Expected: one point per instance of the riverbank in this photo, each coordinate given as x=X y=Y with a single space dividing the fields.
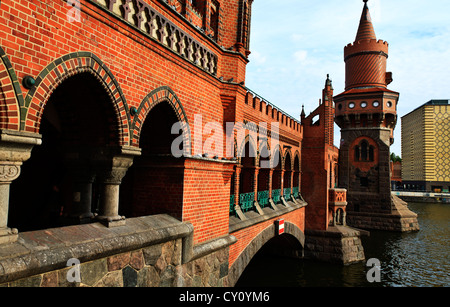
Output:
x=423 y=197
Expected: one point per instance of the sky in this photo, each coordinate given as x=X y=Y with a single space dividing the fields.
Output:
x=294 y=44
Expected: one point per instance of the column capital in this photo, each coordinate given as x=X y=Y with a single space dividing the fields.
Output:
x=9 y=171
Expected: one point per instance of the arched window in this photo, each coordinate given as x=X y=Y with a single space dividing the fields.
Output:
x=364 y=152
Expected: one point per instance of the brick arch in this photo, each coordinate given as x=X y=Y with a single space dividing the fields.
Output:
x=248 y=139
x=254 y=246
x=10 y=95
x=62 y=69
x=296 y=156
x=286 y=153
x=280 y=150
x=161 y=95
x=260 y=148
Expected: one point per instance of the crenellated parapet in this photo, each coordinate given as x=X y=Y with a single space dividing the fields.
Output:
x=364 y=46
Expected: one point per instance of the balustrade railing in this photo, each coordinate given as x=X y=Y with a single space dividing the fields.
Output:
x=246 y=201
x=287 y=193
x=295 y=192
x=263 y=199
x=276 y=195
x=153 y=24
x=232 y=206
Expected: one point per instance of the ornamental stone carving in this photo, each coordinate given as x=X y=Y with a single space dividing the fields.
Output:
x=9 y=172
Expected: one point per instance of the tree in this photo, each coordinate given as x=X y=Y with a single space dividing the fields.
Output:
x=395 y=158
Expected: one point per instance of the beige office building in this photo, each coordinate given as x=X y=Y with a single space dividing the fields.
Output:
x=426 y=147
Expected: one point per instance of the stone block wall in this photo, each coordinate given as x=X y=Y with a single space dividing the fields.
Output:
x=155 y=266
x=339 y=244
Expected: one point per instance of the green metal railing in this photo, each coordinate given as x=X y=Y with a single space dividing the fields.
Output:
x=276 y=196
x=287 y=193
x=295 y=192
x=232 y=210
x=263 y=199
x=246 y=201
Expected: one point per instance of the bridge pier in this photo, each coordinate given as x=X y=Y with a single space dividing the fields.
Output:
x=338 y=244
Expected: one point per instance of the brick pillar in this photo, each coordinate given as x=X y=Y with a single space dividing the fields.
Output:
x=270 y=182
x=255 y=183
x=236 y=192
x=292 y=180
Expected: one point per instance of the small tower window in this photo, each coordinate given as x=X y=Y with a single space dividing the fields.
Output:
x=364 y=152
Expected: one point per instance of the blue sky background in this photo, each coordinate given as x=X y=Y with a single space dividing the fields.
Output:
x=296 y=43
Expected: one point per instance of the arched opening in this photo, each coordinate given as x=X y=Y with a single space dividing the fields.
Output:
x=154 y=184
x=58 y=185
x=296 y=180
x=364 y=150
x=268 y=267
x=247 y=178
x=287 y=177
x=264 y=177
x=276 y=176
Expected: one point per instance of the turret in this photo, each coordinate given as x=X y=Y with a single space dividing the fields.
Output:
x=366 y=101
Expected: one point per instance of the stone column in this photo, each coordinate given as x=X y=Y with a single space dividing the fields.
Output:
x=8 y=173
x=111 y=169
x=83 y=178
x=15 y=148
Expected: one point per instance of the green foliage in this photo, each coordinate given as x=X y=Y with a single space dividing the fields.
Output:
x=395 y=158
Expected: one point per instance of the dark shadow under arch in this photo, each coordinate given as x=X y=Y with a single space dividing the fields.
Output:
x=162 y=94
x=154 y=184
x=292 y=236
x=60 y=70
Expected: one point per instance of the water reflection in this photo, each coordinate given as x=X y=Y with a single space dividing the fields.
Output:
x=417 y=259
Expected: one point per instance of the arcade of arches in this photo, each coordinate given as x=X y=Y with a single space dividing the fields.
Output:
x=74 y=177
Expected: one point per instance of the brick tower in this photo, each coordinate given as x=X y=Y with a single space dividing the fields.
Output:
x=366 y=112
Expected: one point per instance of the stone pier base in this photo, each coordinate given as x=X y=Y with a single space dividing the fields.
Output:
x=338 y=244
x=400 y=220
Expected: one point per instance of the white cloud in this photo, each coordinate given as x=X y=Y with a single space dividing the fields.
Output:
x=300 y=56
x=258 y=58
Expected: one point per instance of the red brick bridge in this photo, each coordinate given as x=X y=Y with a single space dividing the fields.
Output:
x=129 y=141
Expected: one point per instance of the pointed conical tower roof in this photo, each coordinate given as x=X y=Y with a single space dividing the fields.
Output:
x=366 y=57
x=365 y=30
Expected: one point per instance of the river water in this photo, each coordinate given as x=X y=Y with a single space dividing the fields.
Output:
x=418 y=259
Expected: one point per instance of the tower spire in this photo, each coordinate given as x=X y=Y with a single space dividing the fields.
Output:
x=365 y=30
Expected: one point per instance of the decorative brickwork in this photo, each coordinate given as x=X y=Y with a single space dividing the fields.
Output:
x=60 y=70
x=10 y=95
